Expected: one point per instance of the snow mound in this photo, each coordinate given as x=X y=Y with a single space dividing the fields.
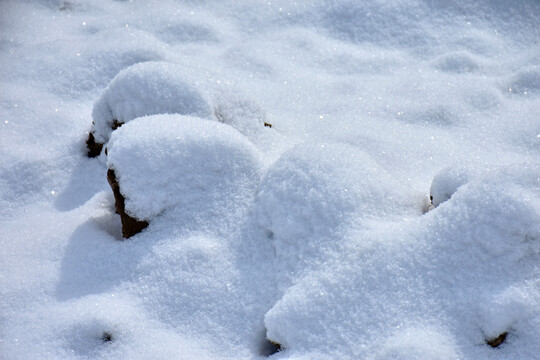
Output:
x=175 y=161
x=314 y=190
x=412 y=86
x=151 y=88
x=233 y=108
x=446 y=182
x=461 y=275
x=147 y=89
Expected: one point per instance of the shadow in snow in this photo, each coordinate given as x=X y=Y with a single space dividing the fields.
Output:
x=87 y=178
x=95 y=260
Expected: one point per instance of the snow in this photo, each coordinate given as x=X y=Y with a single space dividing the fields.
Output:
x=149 y=88
x=446 y=182
x=146 y=89
x=284 y=154
x=188 y=163
x=314 y=191
x=433 y=272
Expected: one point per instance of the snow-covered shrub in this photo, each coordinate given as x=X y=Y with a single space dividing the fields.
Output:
x=457 y=278
x=154 y=87
x=188 y=164
x=232 y=106
x=145 y=89
x=314 y=189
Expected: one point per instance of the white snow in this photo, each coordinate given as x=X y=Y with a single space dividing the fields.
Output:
x=446 y=182
x=314 y=191
x=188 y=163
x=316 y=233
x=152 y=87
x=146 y=89
x=435 y=272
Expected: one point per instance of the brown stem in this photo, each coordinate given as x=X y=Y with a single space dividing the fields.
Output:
x=130 y=225
x=94 y=148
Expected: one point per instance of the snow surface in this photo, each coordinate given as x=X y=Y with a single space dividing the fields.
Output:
x=317 y=233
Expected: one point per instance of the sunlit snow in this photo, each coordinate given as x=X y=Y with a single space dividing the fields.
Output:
x=318 y=180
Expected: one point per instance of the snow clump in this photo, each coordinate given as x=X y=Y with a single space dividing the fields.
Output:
x=146 y=89
x=232 y=107
x=158 y=87
x=446 y=182
x=190 y=164
x=315 y=190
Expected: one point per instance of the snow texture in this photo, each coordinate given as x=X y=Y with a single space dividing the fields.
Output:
x=166 y=161
x=147 y=89
x=317 y=233
x=151 y=88
x=446 y=182
x=314 y=191
x=489 y=228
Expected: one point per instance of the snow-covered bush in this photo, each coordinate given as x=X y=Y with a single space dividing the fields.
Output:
x=145 y=89
x=313 y=190
x=158 y=87
x=453 y=279
x=189 y=164
x=335 y=258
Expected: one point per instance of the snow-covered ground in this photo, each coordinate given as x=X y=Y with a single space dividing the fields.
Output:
x=316 y=233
